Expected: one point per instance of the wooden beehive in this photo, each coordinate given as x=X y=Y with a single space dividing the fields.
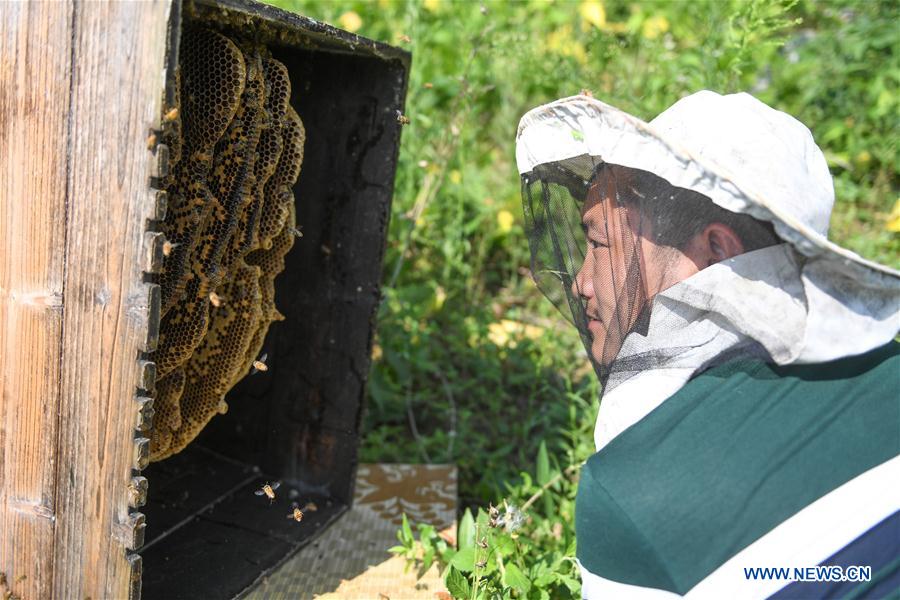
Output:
x=84 y=88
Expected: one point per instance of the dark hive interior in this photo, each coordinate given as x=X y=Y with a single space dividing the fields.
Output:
x=236 y=147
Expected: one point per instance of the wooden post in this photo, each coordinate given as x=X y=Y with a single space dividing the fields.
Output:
x=81 y=86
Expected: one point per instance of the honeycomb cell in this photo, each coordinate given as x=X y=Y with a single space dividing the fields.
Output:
x=237 y=149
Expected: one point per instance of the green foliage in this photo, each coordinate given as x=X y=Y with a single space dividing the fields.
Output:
x=471 y=365
x=523 y=548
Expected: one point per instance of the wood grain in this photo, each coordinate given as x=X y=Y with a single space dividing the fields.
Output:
x=117 y=86
x=80 y=88
x=35 y=78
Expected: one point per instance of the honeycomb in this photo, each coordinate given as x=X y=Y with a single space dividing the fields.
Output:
x=236 y=146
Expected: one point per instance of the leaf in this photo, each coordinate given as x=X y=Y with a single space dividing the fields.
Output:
x=456 y=583
x=465 y=534
x=482 y=519
x=464 y=560
x=427 y=559
x=503 y=544
x=397 y=549
x=570 y=582
x=515 y=578
x=544 y=475
x=406 y=531
x=543 y=465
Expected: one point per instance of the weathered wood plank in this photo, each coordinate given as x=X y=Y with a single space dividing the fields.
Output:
x=35 y=60
x=119 y=52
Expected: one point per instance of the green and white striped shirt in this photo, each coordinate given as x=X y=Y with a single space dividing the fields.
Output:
x=750 y=465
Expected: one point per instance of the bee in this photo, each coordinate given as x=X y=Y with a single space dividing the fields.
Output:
x=483 y=543
x=215 y=299
x=428 y=85
x=295 y=231
x=404 y=38
x=168 y=247
x=171 y=115
x=403 y=119
x=260 y=364
x=587 y=92
x=151 y=141
x=311 y=507
x=481 y=564
x=296 y=514
x=268 y=491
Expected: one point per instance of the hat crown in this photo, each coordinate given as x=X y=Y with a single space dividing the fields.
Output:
x=758 y=147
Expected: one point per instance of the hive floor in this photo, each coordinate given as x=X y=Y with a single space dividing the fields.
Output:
x=350 y=560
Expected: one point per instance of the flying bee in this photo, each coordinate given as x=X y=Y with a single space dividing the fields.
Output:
x=168 y=247
x=404 y=38
x=171 y=115
x=260 y=364
x=311 y=507
x=296 y=514
x=268 y=491
x=295 y=231
x=403 y=119
x=427 y=85
x=215 y=299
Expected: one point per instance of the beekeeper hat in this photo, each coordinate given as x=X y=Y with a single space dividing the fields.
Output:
x=747 y=158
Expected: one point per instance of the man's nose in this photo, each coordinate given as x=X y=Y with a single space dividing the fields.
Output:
x=583 y=284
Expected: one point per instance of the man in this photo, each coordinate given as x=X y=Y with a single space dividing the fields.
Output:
x=750 y=415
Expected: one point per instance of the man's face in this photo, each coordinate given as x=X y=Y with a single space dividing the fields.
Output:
x=623 y=269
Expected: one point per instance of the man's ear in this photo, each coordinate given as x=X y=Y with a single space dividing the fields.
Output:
x=720 y=242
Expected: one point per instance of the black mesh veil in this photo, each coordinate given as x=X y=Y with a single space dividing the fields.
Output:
x=605 y=239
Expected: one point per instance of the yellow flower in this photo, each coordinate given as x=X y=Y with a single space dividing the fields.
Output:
x=505 y=221
x=654 y=27
x=505 y=332
x=439 y=297
x=432 y=5
x=562 y=42
x=593 y=12
x=350 y=21
x=893 y=224
x=455 y=176
x=498 y=334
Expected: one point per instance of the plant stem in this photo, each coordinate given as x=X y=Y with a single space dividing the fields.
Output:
x=569 y=470
x=476 y=573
